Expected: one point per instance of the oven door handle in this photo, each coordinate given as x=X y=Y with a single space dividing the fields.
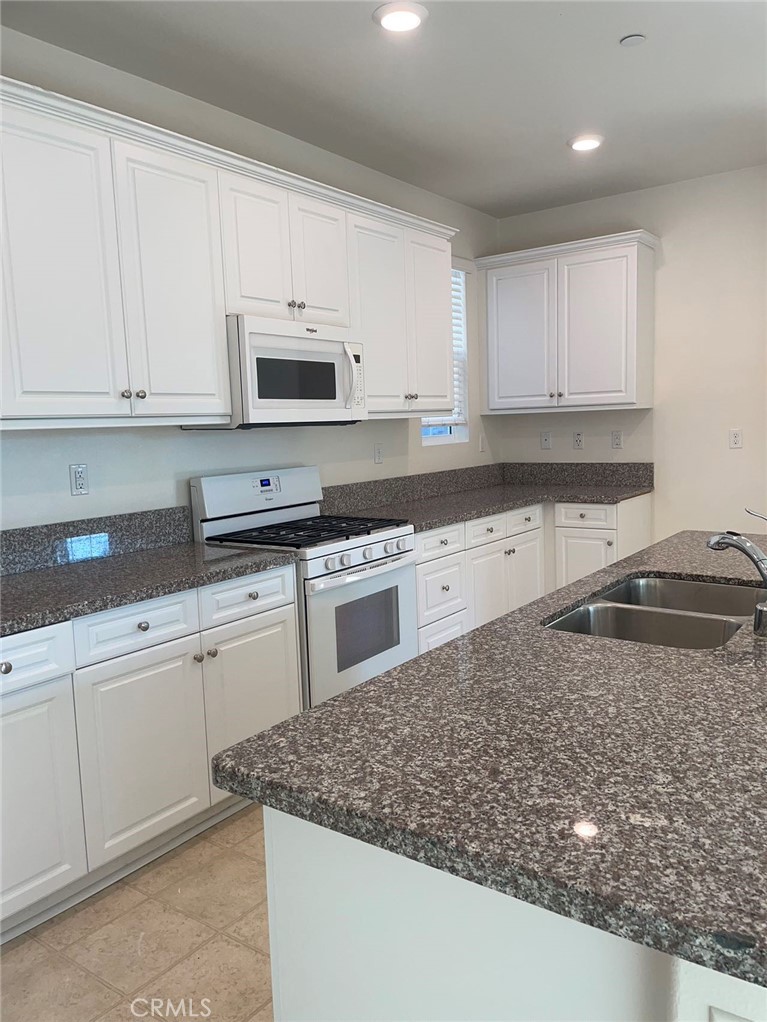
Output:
x=322 y=585
x=352 y=374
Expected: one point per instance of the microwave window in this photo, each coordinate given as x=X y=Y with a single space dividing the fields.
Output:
x=366 y=627
x=288 y=379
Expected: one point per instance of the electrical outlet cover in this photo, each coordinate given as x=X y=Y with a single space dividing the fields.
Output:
x=617 y=439
x=578 y=441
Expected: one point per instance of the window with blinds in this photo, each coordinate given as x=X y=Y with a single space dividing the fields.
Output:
x=444 y=428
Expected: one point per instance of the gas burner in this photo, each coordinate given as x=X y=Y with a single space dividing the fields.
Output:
x=308 y=532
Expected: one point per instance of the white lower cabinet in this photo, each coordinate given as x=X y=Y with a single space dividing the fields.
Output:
x=43 y=843
x=143 y=750
x=583 y=551
x=525 y=569
x=251 y=679
x=505 y=575
x=441 y=588
x=439 y=632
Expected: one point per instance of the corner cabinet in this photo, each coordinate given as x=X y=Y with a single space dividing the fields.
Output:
x=571 y=326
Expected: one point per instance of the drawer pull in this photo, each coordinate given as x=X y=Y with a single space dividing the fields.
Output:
x=6 y=667
x=445 y=589
x=252 y=596
x=528 y=518
x=582 y=514
x=444 y=542
x=213 y=653
x=491 y=528
x=513 y=550
x=143 y=626
x=199 y=657
x=609 y=542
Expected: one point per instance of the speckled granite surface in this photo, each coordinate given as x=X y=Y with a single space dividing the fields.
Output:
x=480 y=756
x=591 y=473
x=37 y=598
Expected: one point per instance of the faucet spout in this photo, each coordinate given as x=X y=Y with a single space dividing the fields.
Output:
x=734 y=541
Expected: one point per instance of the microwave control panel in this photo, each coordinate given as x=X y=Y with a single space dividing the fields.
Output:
x=359 y=386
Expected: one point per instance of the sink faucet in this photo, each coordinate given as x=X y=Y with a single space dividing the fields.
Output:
x=757 y=556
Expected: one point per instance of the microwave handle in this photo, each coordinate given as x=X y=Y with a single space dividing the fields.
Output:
x=353 y=374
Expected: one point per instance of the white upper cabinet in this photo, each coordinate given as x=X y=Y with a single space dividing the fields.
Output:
x=428 y=270
x=378 y=310
x=256 y=232
x=571 y=326
x=320 y=262
x=170 y=242
x=522 y=335
x=63 y=334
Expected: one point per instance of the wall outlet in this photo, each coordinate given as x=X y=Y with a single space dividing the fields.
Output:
x=616 y=438
x=578 y=441
x=78 y=480
x=378 y=454
x=546 y=440
x=736 y=439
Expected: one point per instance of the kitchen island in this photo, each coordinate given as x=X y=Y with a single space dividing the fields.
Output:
x=526 y=823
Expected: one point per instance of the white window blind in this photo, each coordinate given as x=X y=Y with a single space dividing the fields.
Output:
x=460 y=416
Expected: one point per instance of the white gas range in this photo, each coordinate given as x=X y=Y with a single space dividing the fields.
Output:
x=357 y=609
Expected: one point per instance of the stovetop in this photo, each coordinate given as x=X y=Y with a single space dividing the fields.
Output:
x=308 y=532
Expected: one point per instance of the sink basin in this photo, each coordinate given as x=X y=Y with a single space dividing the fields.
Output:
x=653 y=626
x=696 y=597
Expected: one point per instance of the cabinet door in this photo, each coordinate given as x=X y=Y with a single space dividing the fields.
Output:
x=63 y=334
x=143 y=754
x=525 y=567
x=597 y=312
x=488 y=582
x=521 y=335
x=378 y=310
x=582 y=551
x=170 y=240
x=429 y=322
x=252 y=682
x=320 y=261
x=440 y=632
x=256 y=232
x=43 y=843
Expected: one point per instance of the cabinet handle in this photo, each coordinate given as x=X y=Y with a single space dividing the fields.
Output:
x=415 y=397
x=311 y=330
x=301 y=305
x=143 y=626
x=582 y=514
x=292 y=303
x=199 y=657
x=141 y=394
x=491 y=528
x=126 y=393
x=560 y=393
x=212 y=652
x=445 y=589
x=444 y=542
x=528 y=518
x=252 y=596
x=552 y=394
x=508 y=553
x=6 y=667
x=609 y=542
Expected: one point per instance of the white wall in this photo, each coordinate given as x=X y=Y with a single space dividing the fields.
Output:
x=710 y=347
x=136 y=468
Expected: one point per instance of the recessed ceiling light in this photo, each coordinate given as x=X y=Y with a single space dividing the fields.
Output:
x=400 y=17
x=635 y=39
x=585 y=143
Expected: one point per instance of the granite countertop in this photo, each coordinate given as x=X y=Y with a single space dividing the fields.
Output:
x=479 y=757
x=32 y=599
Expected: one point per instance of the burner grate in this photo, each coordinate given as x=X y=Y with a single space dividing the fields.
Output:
x=308 y=532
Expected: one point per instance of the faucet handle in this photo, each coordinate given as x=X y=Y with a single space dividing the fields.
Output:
x=755 y=514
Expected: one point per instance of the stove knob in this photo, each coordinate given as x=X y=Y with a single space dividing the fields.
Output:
x=367 y=553
x=330 y=563
x=346 y=560
x=389 y=547
x=401 y=544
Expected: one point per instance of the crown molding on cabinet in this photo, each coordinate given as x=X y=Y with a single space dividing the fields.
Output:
x=552 y=251
x=31 y=97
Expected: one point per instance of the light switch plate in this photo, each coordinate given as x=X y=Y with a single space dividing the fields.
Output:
x=546 y=440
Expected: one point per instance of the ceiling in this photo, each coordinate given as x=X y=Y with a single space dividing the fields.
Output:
x=478 y=103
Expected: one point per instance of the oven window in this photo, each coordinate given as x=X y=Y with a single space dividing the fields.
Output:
x=366 y=627
x=290 y=379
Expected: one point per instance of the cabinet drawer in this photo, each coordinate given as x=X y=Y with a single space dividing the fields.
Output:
x=241 y=597
x=440 y=542
x=36 y=656
x=587 y=516
x=524 y=520
x=441 y=588
x=440 y=632
x=485 y=530
x=138 y=626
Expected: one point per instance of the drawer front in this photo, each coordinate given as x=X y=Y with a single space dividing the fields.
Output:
x=485 y=530
x=242 y=597
x=440 y=632
x=138 y=626
x=441 y=588
x=524 y=520
x=440 y=542
x=30 y=658
x=587 y=516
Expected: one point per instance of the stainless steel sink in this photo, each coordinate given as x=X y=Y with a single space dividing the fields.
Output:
x=695 y=597
x=653 y=626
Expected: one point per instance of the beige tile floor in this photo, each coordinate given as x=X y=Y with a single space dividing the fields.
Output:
x=188 y=926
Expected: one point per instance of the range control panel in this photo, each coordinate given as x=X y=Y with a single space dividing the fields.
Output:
x=266 y=484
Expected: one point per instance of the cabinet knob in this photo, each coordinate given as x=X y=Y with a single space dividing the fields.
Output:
x=199 y=657
x=6 y=667
x=415 y=397
x=609 y=542
x=311 y=330
x=528 y=518
x=213 y=653
x=126 y=393
x=444 y=542
x=143 y=626
x=582 y=514
x=513 y=550
x=141 y=394
x=560 y=393
x=491 y=528
x=301 y=305
x=445 y=589
x=552 y=394
x=252 y=596
x=292 y=303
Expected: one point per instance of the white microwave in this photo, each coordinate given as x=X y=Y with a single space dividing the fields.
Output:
x=279 y=378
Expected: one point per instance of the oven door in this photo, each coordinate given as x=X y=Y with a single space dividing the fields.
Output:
x=359 y=624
